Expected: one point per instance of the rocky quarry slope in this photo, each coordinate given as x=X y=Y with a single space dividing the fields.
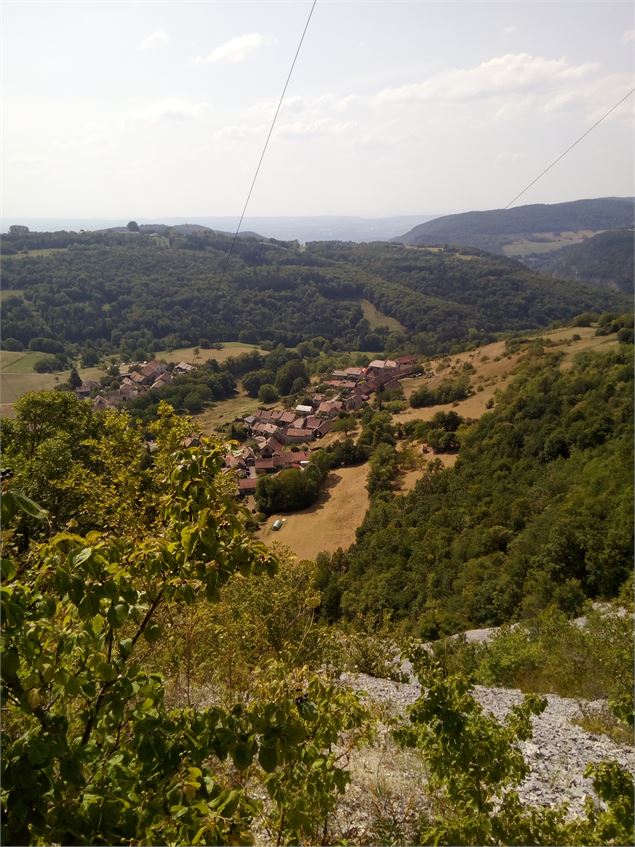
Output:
x=388 y=783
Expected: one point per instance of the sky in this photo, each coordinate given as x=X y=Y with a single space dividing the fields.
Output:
x=145 y=110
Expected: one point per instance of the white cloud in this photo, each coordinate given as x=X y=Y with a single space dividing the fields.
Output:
x=240 y=132
x=320 y=126
x=508 y=157
x=382 y=137
x=170 y=108
x=509 y=74
x=267 y=108
x=235 y=50
x=628 y=36
x=510 y=30
x=155 y=39
x=301 y=127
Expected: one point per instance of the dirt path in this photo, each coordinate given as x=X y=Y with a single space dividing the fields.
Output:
x=331 y=523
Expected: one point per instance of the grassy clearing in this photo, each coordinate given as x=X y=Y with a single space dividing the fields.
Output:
x=15 y=382
x=224 y=412
x=494 y=370
x=376 y=318
x=523 y=246
x=408 y=479
x=18 y=363
x=186 y=354
x=330 y=523
x=44 y=251
x=5 y=293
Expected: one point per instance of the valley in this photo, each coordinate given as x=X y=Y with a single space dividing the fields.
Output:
x=426 y=442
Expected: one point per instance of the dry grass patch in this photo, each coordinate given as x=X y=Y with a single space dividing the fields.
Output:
x=15 y=382
x=186 y=354
x=224 y=412
x=376 y=318
x=330 y=523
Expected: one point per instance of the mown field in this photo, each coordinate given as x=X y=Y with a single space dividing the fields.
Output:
x=330 y=523
x=555 y=240
x=187 y=354
x=376 y=318
x=17 y=377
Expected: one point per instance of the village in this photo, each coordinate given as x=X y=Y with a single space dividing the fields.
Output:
x=136 y=380
x=279 y=434
x=280 y=438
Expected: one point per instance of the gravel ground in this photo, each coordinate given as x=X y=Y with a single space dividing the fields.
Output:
x=389 y=782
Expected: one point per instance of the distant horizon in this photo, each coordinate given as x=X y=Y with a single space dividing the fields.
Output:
x=33 y=221
x=300 y=228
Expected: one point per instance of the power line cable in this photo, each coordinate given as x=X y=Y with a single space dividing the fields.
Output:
x=568 y=150
x=555 y=161
x=271 y=128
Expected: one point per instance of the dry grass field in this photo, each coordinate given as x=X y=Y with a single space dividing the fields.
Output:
x=17 y=377
x=224 y=412
x=376 y=318
x=494 y=370
x=186 y=354
x=554 y=241
x=330 y=523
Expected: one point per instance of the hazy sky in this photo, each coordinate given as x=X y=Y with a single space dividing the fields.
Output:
x=146 y=109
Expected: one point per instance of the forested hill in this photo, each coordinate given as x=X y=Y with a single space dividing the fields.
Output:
x=491 y=230
x=538 y=510
x=119 y=292
x=606 y=259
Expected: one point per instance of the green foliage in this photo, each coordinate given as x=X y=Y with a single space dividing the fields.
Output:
x=538 y=509
x=605 y=259
x=91 y=752
x=287 y=491
x=189 y=392
x=12 y=344
x=253 y=381
x=489 y=230
x=550 y=654
x=74 y=379
x=268 y=393
x=447 y=391
x=85 y=468
x=219 y=647
x=49 y=364
x=384 y=466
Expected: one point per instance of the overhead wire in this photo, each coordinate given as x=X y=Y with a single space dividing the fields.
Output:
x=555 y=161
x=269 y=134
x=569 y=149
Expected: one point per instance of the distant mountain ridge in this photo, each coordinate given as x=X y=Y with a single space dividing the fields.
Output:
x=493 y=229
x=301 y=228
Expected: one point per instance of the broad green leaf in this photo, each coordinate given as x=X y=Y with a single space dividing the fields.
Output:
x=82 y=556
x=152 y=632
x=7 y=569
x=268 y=758
x=117 y=615
x=242 y=756
x=28 y=506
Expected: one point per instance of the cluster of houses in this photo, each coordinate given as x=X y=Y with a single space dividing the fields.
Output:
x=275 y=430
x=248 y=465
x=135 y=382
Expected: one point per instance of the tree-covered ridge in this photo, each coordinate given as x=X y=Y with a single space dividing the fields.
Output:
x=149 y=295
x=491 y=229
x=538 y=510
x=606 y=259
